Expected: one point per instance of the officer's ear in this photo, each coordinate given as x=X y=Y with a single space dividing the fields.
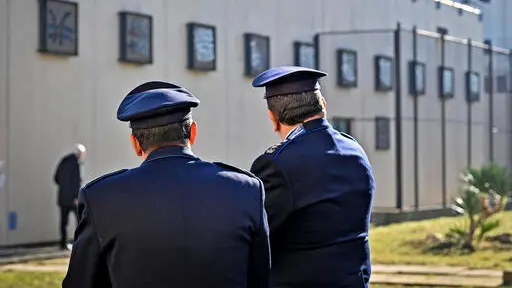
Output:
x=136 y=146
x=275 y=121
x=193 y=133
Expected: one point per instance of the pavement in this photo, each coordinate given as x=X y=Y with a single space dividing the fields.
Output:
x=54 y=260
x=20 y=255
x=436 y=276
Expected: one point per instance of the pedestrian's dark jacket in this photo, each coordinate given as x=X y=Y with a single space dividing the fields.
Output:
x=175 y=221
x=319 y=190
x=67 y=177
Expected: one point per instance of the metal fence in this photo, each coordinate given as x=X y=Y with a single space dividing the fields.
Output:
x=449 y=107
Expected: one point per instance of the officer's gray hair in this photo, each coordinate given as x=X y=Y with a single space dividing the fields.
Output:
x=173 y=134
x=292 y=109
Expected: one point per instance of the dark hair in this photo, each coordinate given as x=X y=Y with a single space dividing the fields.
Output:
x=292 y=109
x=173 y=134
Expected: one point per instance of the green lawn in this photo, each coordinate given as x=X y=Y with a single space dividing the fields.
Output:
x=404 y=244
x=30 y=279
x=53 y=280
x=393 y=244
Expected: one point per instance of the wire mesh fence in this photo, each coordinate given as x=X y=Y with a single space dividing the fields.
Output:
x=425 y=106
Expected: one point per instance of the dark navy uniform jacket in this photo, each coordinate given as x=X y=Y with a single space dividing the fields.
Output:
x=175 y=221
x=319 y=190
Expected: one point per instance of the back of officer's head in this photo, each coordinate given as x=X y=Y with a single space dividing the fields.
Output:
x=160 y=115
x=295 y=108
x=292 y=93
x=176 y=134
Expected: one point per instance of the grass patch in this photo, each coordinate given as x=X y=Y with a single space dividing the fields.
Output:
x=399 y=244
x=18 y=279
x=404 y=243
x=53 y=280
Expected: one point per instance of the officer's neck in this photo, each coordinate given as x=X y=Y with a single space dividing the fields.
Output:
x=146 y=153
x=285 y=130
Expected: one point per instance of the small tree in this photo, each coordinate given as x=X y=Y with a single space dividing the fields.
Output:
x=483 y=194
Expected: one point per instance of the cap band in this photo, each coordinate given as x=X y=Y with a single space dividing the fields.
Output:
x=292 y=87
x=163 y=120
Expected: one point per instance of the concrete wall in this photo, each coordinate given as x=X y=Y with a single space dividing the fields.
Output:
x=502 y=108
x=3 y=120
x=57 y=101
x=497 y=22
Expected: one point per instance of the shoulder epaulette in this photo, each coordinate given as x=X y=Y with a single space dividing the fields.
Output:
x=90 y=184
x=347 y=136
x=233 y=168
x=274 y=148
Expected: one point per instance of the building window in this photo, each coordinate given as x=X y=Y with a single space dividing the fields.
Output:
x=257 y=54
x=382 y=133
x=502 y=83
x=341 y=124
x=472 y=86
x=487 y=85
x=136 y=38
x=347 y=68
x=202 y=51
x=446 y=83
x=305 y=54
x=58 y=23
x=416 y=78
x=383 y=73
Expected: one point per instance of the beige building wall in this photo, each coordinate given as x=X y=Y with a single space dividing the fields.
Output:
x=502 y=107
x=3 y=121
x=55 y=101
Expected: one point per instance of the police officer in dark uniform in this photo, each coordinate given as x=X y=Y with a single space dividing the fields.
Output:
x=175 y=221
x=319 y=188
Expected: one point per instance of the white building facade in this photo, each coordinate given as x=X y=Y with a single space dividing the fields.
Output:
x=49 y=102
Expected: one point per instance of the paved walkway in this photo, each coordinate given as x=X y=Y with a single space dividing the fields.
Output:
x=19 y=255
x=435 y=276
x=382 y=274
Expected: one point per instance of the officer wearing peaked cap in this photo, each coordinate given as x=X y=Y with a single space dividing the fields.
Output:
x=319 y=188
x=174 y=221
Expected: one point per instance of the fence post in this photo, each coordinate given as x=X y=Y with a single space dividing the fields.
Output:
x=415 y=118
x=443 y=32
x=316 y=44
x=470 y=116
x=398 y=118
x=491 y=100
x=510 y=107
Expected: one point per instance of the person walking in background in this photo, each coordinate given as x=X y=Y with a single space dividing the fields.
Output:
x=319 y=188
x=174 y=221
x=68 y=179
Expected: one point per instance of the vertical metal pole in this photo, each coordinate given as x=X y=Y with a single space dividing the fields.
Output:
x=398 y=119
x=415 y=119
x=443 y=124
x=491 y=102
x=316 y=43
x=510 y=106
x=469 y=102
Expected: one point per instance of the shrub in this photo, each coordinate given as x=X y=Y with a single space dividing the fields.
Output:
x=483 y=193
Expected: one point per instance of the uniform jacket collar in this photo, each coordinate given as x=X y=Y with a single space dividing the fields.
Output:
x=316 y=124
x=307 y=127
x=170 y=151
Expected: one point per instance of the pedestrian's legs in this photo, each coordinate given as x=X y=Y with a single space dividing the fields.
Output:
x=64 y=212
